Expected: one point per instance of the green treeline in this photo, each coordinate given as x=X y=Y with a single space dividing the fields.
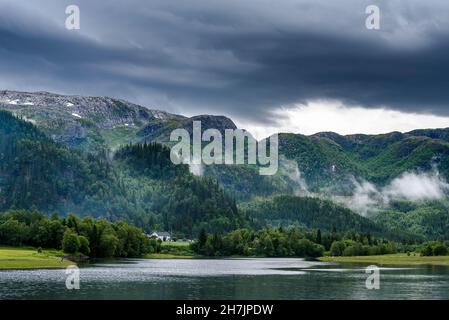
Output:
x=293 y=242
x=435 y=248
x=88 y=236
x=100 y=238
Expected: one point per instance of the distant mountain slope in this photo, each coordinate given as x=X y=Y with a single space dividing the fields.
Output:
x=99 y=123
x=160 y=130
x=329 y=161
x=441 y=134
x=325 y=163
x=85 y=123
x=314 y=213
x=428 y=219
x=308 y=212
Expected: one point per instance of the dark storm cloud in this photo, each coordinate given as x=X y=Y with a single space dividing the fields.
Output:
x=240 y=58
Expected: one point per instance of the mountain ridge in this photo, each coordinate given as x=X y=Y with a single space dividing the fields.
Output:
x=326 y=160
x=13 y=97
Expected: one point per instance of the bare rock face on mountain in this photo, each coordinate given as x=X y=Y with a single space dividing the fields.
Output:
x=76 y=121
x=98 y=123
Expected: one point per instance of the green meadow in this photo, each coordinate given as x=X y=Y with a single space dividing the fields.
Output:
x=393 y=259
x=29 y=258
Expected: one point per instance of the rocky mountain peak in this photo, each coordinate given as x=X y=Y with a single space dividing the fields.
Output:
x=95 y=123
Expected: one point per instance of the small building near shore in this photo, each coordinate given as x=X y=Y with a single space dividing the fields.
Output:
x=161 y=235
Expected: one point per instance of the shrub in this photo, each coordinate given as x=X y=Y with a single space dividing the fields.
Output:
x=439 y=249
x=84 y=245
x=426 y=250
x=306 y=248
x=70 y=242
x=434 y=248
x=13 y=232
x=337 y=248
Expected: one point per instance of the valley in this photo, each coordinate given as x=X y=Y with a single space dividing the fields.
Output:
x=110 y=159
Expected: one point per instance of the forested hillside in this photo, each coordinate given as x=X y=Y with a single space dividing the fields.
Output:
x=429 y=220
x=141 y=185
x=314 y=213
x=329 y=161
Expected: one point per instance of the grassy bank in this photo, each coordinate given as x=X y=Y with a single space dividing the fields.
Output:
x=29 y=258
x=173 y=250
x=392 y=259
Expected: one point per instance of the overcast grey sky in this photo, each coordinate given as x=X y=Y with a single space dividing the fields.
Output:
x=247 y=59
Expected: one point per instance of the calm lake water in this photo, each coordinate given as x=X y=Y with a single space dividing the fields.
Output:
x=226 y=279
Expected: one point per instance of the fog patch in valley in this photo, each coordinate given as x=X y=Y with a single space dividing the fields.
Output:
x=416 y=187
x=412 y=186
x=289 y=168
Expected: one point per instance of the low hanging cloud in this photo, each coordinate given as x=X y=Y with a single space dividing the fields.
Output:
x=365 y=197
x=415 y=187
x=289 y=168
x=412 y=186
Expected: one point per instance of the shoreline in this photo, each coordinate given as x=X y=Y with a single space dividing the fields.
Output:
x=169 y=256
x=27 y=258
x=395 y=259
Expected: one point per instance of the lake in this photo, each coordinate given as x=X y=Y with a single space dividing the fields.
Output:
x=226 y=279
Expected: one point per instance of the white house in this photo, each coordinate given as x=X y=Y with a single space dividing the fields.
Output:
x=161 y=235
